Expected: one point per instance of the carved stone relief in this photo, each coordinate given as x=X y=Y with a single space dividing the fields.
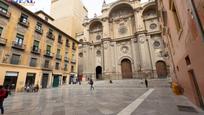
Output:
x=124 y=49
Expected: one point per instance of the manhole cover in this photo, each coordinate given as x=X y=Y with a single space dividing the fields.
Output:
x=186 y=108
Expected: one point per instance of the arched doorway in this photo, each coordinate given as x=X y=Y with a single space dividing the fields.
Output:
x=126 y=69
x=98 y=72
x=161 y=69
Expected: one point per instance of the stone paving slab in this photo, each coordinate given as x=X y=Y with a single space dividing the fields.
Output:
x=106 y=99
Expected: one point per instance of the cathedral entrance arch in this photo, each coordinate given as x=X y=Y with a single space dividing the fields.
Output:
x=161 y=69
x=98 y=72
x=126 y=69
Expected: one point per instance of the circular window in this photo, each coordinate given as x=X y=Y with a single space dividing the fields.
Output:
x=98 y=37
x=81 y=40
x=122 y=30
x=81 y=54
x=153 y=26
x=98 y=52
x=157 y=44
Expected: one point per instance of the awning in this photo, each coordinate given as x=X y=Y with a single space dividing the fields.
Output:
x=12 y=74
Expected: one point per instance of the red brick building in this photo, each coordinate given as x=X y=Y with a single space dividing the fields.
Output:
x=182 y=22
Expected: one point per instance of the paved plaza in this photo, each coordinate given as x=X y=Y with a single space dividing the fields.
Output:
x=129 y=97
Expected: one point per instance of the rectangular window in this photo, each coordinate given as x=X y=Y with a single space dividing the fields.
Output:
x=164 y=17
x=57 y=65
x=19 y=39
x=176 y=18
x=24 y=18
x=3 y=7
x=36 y=45
x=46 y=18
x=58 y=51
x=50 y=31
x=67 y=42
x=72 y=68
x=1 y=30
x=46 y=64
x=15 y=59
x=66 y=54
x=38 y=26
x=59 y=38
x=73 y=46
x=33 y=62
x=48 y=49
x=188 y=61
x=65 y=67
x=73 y=56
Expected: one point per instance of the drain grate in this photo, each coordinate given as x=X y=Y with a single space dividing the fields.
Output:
x=186 y=108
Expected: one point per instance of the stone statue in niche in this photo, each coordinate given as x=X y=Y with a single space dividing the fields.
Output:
x=105 y=45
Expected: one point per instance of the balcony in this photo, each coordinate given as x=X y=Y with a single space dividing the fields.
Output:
x=24 y=24
x=74 y=47
x=73 y=61
x=65 y=69
x=47 y=67
x=18 y=46
x=67 y=45
x=3 y=41
x=66 y=59
x=60 y=41
x=50 y=36
x=39 y=31
x=5 y=14
x=48 y=54
x=58 y=57
x=35 y=50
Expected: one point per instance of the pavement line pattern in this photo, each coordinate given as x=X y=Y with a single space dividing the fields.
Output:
x=131 y=107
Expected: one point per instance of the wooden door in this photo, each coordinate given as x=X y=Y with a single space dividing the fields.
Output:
x=161 y=69
x=126 y=69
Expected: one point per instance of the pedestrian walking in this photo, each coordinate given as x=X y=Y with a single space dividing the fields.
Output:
x=146 y=83
x=91 y=84
x=3 y=95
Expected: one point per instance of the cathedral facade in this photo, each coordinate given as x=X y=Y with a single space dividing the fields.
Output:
x=124 y=42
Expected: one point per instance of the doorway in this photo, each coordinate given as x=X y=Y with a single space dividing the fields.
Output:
x=161 y=69
x=64 y=79
x=56 y=81
x=10 y=80
x=126 y=69
x=98 y=72
x=196 y=88
x=44 y=80
x=30 y=79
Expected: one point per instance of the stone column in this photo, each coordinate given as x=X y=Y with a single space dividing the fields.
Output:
x=107 y=58
x=145 y=55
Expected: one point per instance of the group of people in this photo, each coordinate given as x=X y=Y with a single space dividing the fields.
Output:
x=31 y=88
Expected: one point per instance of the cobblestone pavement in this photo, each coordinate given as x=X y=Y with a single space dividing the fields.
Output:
x=106 y=99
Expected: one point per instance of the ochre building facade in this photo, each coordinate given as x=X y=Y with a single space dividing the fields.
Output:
x=33 y=51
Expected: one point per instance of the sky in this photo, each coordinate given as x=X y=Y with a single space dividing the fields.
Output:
x=93 y=6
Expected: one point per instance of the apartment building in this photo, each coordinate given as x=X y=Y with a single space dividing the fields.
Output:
x=32 y=50
x=182 y=22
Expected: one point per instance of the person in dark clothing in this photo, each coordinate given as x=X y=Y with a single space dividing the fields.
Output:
x=2 y=96
x=146 y=83
x=91 y=83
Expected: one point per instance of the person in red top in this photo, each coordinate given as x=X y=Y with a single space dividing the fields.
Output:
x=2 y=96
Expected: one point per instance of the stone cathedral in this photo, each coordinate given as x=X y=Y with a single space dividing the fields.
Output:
x=124 y=42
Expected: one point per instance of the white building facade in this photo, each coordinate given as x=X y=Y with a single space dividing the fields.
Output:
x=123 y=43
